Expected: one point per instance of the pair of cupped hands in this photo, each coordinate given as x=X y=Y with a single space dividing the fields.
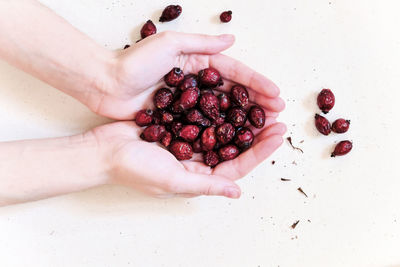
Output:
x=149 y=167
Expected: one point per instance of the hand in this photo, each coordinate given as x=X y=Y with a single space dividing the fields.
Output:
x=136 y=71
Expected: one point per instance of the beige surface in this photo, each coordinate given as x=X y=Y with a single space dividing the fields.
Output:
x=304 y=45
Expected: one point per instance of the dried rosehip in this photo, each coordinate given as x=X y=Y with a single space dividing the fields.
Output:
x=148 y=29
x=256 y=116
x=171 y=12
x=342 y=148
x=144 y=117
x=181 y=150
x=163 y=98
x=176 y=127
x=196 y=117
x=225 y=133
x=224 y=102
x=189 y=81
x=174 y=77
x=228 y=152
x=166 y=140
x=126 y=46
x=326 y=100
x=176 y=107
x=244 y=138
x=220 y=120
x=189 y=98
x=153 y=133
x=208 y=139
x=210 y=77
x=237 y=116
x=340 y=125
x=164 y=117
x=209 y=104
x=322 y=124
x=239 y=95
x=211 y=158
x=189 y=132
x=226 y=16
x=197 y=146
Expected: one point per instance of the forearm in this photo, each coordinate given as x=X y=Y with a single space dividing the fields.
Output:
x=36 y=40
x=36 y=169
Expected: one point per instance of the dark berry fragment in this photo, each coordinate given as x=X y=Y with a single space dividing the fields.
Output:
x=181 y=150
x=256 y=116
x=164 y=117
x=126 y=46
x=322 y=124
x=174 y=77
x=148 y=29
x=342 y=148
x=237 y=116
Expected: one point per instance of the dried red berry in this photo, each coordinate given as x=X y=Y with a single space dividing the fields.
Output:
x=208 y=139
x=181 y=150
x=256 y=116
x=164 y=117
x=197 y=146
x=176 y=127
x=237 y=116
x=196 y=117
x=224 y=102
x=176 y=107
x=148 y=29
x=211 y=158
x=189 y=98
x=244 y=138
x=166 y=140
x=189 y=132
x=163 y=98
x=340 y=125
x=239 y=95
x=326 y=100
x=189 y=81
x=342 y=148
x=228 y=152
x=225 y=133
x=144 y=117
x=226 y=16
x=322 y=124
x=171 y=12
x=153 y=133
x=210 y=77
x=209 y=104
x=174 y=77
x=220 y=120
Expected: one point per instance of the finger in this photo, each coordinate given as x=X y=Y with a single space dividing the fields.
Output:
x=236 y=71
x=200 y=43
x=242 y=165
x=274 y=129
x=209 y=185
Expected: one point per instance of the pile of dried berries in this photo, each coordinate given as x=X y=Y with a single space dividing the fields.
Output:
x=191 y=118
x=326 y=101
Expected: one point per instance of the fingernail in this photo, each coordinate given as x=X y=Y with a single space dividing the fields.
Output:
x=231 y=192
x=227 y=37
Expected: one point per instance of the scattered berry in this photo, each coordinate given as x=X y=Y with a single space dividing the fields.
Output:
x=340 y=125
x=148 y=29
x=322 y=124
x=326 y=100
x=342 y=148
x=171 y=12
x=226 y=16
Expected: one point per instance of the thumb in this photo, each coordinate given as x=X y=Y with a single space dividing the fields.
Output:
x=210 y=185
x=203 y=44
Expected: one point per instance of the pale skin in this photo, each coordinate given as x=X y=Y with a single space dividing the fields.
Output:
x=116 y=84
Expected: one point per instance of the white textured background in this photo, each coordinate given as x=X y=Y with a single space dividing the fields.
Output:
x=303 y=45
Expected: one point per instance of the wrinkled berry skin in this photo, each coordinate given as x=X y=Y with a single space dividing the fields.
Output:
x=211 y=158
x=176 y=127
x=239 y=96
x=189 y=98
x=174 y=77
x=228 y=152
x=171 y=12
x=164 y=117
x=340 y=125
x=148 y=29
x=256 y=116
x=196 y=117
x=210 y=77
x=144 y=117
x=176 y=107
x=244 y=138
x=220 y=120
x=209 y=104
x=226 y=16
x=342 y=148
x=153 y=133
x=225 y=133
x=181 y=150
x=326 y=100
x=224 y=102
x=189 y=81
x=163 y=98
x=237 y=116
x=189 y=133
x=322 y=124
x=166 y=140
x=208 y=139
x=197 y=146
